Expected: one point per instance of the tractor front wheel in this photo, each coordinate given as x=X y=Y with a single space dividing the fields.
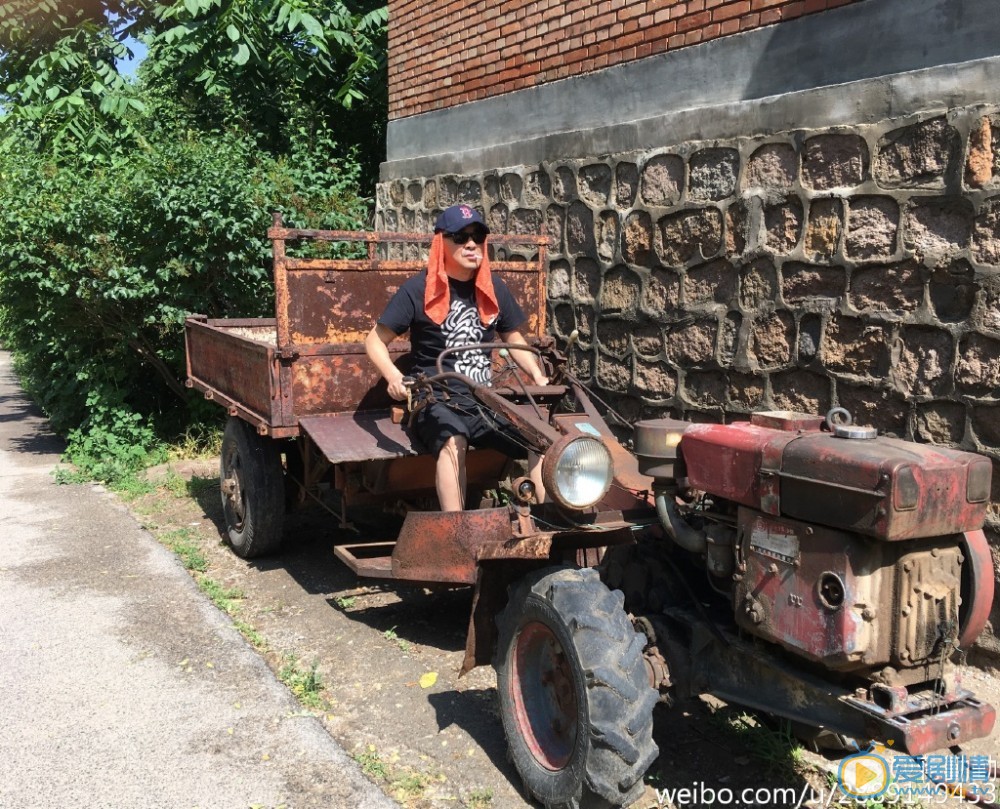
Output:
x=253 y=490
x=575 y=698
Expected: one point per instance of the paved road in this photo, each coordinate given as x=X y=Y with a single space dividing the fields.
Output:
x=120 y=684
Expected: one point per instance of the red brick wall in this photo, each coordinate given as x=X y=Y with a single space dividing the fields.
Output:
x=448 y=52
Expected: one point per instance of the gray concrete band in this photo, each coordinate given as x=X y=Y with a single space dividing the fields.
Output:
x=856 y=64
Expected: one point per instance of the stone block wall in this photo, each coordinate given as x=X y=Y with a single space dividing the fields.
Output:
x=857 y=266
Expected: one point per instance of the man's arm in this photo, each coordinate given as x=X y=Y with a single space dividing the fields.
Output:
x=526 y=360
x=377 y=348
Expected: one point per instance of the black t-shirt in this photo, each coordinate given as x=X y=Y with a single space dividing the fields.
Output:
x=461 y=327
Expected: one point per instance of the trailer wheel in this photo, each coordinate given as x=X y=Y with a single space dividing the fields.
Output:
x=253 y=490
x=575 y=698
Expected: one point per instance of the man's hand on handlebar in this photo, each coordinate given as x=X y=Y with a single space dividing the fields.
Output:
x=399 y=388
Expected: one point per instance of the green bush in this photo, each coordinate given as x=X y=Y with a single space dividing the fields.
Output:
x=102 y=260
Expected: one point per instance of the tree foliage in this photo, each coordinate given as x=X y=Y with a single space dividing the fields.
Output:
x=117 y=220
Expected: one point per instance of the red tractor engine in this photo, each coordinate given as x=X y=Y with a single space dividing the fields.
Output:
x=859 y=553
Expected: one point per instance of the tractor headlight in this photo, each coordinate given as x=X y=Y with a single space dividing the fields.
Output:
x=577 y=471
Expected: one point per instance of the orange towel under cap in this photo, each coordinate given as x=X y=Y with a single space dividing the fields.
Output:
x=437 y=295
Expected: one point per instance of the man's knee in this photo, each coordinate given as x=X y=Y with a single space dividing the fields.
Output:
x=454 y=448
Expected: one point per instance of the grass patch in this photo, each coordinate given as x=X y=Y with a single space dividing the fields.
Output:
x=372 y=765
x=183 y=542
x=479 y=798
x=776 y=748
x=305 y=683
x=225 y=598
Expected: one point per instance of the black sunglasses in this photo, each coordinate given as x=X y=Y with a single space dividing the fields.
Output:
x=478 y=236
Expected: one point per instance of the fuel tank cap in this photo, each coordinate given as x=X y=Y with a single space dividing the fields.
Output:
x=842 y=425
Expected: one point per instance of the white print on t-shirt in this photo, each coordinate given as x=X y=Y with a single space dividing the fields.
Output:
x=462 y=328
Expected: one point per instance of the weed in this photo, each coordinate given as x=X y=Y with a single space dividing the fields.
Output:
x=306 y=684
x=409 y=785
x=198 y=441
x=175 y=484
x=390 y=635
x=371 y=764
x=182 y=541
x=345 y=602
x=479 y=798
x=223 y=598
x=256 y=639
x=777 y=749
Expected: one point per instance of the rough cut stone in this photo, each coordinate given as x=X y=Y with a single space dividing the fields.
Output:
x=614 y=375
x=729 y=340
x=872 y=226
x=647 y=341
x=923 y=364
x=511 y=187
x=414 y=193
x=706 y=388
x=555 y=223
x=986 y=233
x=564 y=319
x=938 y=225
x=940 y=423
x=525 y=221
x=713 y=174
x=613 y=337
x=894 y=289
x=620 y=291
x=712 y=283
x=824 y=229
x=773 y=166
x=559 y=280
x=692 y=344
x=430 y=194
x=987 y=313
x=580 y=230
x=758 y=286
x=661 y=294
x=738 y=217
x=637 y=239
x=783 y=225
x=397 y=192
x=498 y=218
x=918 y=155
x=810 y=333
x=586 y=279
x=745 y=392
x=953 y=290
x=979 y=163
x=564 y=185
x=595 y=184
x=771 y=340
x=537 y=188
x=851 y=346
x=986 y=425
x=607 y=235
x=581 y=363
x=802 y=391
x=662 y=180
x=978 y=369
x=834 y=161
x=873 y=407
x=655 y=379
x=689 y=235
x=801 y=283
x=626 y=184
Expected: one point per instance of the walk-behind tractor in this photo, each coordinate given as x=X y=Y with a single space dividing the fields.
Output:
x=796 y=563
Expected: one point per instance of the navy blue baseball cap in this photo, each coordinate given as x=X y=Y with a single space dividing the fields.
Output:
x=457 y=217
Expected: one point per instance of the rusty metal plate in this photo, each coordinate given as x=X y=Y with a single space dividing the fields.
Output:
x=358 y=437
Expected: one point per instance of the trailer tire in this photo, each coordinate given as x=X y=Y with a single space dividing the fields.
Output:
x=575 y=699
x=253 y=490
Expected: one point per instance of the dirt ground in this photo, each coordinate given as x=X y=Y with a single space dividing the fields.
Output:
x=388 y=662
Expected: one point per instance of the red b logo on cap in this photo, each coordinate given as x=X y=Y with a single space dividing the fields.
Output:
x=466 y=212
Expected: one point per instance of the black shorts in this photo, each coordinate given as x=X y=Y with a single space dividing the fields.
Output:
x=485 y=429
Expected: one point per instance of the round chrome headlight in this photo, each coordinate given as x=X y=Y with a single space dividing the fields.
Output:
x=577 y=471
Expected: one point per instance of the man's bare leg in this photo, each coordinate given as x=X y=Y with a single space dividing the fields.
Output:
x=535 y=473
x=450 y=473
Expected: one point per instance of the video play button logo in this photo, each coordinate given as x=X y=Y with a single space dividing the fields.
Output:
x=864 y=775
